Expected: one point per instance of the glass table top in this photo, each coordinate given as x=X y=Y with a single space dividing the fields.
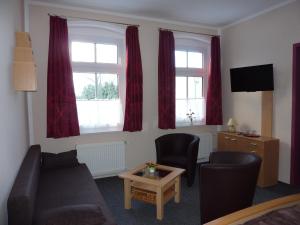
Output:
x=156 y=175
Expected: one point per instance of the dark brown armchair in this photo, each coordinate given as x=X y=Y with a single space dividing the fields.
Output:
x=179 y=150
x=227 y=183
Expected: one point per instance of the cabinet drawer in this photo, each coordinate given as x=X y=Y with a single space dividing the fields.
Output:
x=259 y=152
x=228 y=142
x=253 y=145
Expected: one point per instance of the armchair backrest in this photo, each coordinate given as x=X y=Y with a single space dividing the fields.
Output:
x=233 y=158
x=227 y=183
x=174 y=144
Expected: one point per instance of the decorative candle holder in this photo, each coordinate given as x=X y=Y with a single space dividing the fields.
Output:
x=151 y=167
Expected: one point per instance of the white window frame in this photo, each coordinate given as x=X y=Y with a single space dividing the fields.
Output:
x=101 y=33
x=194 y=43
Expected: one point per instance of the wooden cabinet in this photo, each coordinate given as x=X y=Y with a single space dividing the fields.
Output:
x=267 y=148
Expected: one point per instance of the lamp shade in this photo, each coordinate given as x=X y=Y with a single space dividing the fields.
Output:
x=231 y=122
x=24 y=68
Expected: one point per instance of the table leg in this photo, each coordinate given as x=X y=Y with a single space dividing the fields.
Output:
x=127 y=194
x=159 y=203
x=177 y=189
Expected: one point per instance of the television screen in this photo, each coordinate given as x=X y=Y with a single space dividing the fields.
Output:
x=252 y=78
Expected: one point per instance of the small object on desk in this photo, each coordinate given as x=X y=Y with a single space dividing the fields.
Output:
x=251 y=134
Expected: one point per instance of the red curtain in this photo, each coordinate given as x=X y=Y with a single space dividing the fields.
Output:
x=134 y=82
x=166 y=80
x=295 y=142
x=62 y=120
x=214 y=91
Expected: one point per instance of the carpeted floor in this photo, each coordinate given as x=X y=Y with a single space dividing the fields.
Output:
x=184 y=213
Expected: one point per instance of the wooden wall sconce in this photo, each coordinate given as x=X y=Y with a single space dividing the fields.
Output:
x=24 y=68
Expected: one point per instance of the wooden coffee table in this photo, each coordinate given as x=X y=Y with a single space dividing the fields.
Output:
x=155 y=188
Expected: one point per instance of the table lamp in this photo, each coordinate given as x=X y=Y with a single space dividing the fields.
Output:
x=231 y=125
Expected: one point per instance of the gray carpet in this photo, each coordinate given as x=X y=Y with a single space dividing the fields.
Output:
x=184 y=213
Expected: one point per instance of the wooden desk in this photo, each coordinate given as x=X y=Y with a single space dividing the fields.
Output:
x=266 y=147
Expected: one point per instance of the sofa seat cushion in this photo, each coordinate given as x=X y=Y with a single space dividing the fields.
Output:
x=68 y=187
x=72 y=215
x=174 y=160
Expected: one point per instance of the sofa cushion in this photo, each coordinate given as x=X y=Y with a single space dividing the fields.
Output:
x=67 y=187
x=60 y=160
x=85 y=214
x=21 y=201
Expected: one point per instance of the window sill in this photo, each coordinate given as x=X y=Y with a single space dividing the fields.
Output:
x=188 y=124
x=84 y=131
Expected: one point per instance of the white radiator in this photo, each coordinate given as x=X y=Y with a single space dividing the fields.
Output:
x=103 y=159
x=205 y=146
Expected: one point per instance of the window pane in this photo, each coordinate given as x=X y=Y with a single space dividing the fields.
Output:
x=195 y=87
x=95 y=114
x=181 y=87
x=195 y=60
x=84 y=85
x=197 y=106
x=183 y=106
x=181 y=59
x=107 y=86
x=83 y=52
x=181 y=110
x=107 y=53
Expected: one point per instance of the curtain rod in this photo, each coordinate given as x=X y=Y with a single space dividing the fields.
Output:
x=105 y=21
x=206 y=34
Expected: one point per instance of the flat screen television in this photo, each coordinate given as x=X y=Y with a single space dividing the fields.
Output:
x=252 y=78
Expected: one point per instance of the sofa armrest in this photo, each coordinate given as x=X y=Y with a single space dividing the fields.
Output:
x=21 y=201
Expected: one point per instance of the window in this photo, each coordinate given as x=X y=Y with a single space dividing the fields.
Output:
x=191 y=61
x=97 y=56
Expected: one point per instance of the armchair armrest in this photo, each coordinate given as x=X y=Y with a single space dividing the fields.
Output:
x=193 y=149
x=159 y=150
x=192 y=152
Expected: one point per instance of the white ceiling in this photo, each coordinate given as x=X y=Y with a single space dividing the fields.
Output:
x=216 y=13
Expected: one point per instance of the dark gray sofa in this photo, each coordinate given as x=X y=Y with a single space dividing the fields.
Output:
x=65 y=196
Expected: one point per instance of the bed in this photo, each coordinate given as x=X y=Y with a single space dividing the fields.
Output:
x=272 y=212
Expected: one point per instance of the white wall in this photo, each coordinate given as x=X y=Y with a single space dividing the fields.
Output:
x=140 y=145
x=13 y=125
x=264 y=39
